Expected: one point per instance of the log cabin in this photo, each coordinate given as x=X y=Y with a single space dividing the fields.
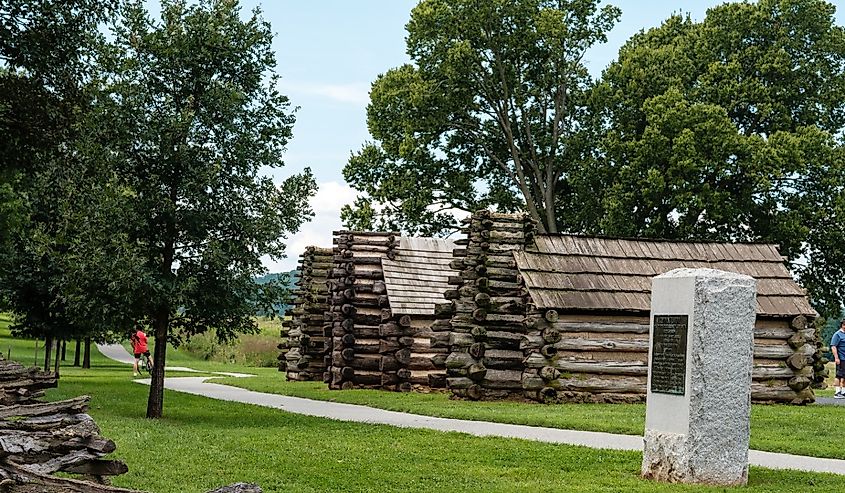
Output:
x=383 y=289
x=566 y=317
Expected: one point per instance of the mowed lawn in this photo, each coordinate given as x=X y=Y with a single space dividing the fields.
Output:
x=802 y=430
x=202 y=444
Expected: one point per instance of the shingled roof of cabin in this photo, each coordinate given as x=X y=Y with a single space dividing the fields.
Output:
x=608 y=274
x=417 y=278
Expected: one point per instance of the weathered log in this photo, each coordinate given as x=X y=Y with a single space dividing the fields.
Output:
x=602 y=345
x=403 y=356
x=392 y=329
x=608 y=383
x=99 y=467
x=502 y=379
x=549 y=373
x=457 y=339
x=459 y=360
x=799 y=322
x=764 y=392
x=477 y=350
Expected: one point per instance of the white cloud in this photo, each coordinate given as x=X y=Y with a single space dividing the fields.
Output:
x=326 y=203
x=353 y=93
x=331 y=196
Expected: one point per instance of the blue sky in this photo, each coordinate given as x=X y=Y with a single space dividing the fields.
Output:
x=329 y=53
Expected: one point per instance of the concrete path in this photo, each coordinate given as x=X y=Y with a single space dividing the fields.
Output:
x=830 y=401
x=118 y=353
x=363 y=414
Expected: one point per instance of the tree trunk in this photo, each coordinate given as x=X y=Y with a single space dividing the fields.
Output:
x=155 y=403
x=64 y=349
x=59 y=353
x=76 y=352
x=86 y=358
x=48 y=352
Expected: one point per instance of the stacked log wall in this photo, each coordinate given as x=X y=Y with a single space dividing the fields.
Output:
x=427 y=363
x=307 y=344
x=604 y=358
x=370 y=346
x=487 y=308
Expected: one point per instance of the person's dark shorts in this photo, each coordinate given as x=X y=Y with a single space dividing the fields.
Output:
x=840 y=370
x=147 y=354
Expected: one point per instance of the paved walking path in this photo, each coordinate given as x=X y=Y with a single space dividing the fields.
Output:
x=118 y=353
x=830 y=401
x=363 y=414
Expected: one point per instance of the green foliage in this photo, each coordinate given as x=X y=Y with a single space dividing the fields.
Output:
x=728 y=129
x=47 y=180
x=492 y=112
x=253 y=350
x=826 y=333
x=193 y=119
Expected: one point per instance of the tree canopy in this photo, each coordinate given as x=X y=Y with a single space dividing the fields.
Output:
x=492 y=112
x=729 y=129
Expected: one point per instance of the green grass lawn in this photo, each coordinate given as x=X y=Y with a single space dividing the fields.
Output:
x=803 y=430
x=203 y=443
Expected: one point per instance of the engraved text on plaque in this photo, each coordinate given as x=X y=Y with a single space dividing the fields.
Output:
x=669 y=354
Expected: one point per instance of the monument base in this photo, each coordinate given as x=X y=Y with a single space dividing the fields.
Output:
x=667 y=458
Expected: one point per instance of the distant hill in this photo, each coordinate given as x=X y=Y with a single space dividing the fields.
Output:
x=291 y=279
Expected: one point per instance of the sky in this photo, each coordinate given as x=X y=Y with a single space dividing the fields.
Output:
x=328 y=54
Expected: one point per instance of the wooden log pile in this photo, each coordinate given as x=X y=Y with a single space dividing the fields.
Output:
x=785 y=356
x=307 y=342
x=487 y=308
x=370 y=346
x=39 y=439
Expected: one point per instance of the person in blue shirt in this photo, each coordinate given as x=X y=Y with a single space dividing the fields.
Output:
x=837 y=347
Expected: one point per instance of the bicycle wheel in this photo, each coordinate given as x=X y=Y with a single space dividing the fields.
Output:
x=147 y=364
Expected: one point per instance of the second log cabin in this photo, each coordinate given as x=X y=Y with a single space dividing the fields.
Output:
x=566 y=318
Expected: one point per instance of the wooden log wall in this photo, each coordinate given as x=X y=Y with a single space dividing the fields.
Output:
x=428 y=353
x=370 y=347
x=307 y=344
x=604 y=358
x=487 y=308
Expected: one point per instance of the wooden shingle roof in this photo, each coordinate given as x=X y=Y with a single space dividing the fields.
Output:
x=608 y=274
x=417 y=278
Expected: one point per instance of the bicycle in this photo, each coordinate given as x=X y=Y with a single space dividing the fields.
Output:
x=145 y=364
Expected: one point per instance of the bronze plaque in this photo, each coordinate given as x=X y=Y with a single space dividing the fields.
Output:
x=669 y=354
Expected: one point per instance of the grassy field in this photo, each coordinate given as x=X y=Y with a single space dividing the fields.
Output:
x=202 y=443
x=803 y=430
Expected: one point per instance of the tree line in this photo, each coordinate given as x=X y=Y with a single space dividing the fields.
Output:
x=724 y=129
x=133 y=157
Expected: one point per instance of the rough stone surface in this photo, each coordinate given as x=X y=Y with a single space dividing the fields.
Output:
x=717 y=406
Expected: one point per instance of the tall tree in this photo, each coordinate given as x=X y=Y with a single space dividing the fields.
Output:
x=729 y=129
x=47 y=53
x=197 y=119
x=492 y=112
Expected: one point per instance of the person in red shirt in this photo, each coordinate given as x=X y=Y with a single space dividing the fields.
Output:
x=139 y=347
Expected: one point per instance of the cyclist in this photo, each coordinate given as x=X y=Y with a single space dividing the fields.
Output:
x=139 y=347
